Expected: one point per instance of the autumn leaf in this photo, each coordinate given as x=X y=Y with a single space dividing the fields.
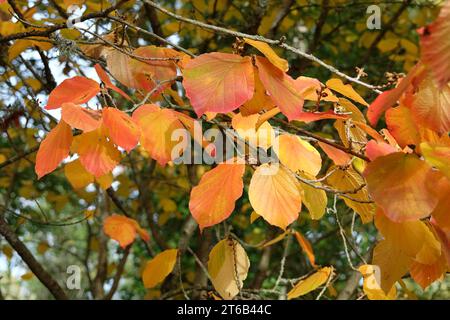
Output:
x=306 y=247
x=246 y=128
x=375 y=149
x=218 y=82
x=281 y=87
x=393 y=263
x=310 y=283
x=402 y=126
x=122 y=129
x=274 y=195
x=80 y=118
x=53 y=149
x=228 y=266
x=107 y=81
x=158 y=268
x=260 y=100
x=389 y=98
x=297 y=154
x=412 y=196
x=437 y=155
x=265 y=49
x=77 y=90
x=97 y=154
x=372 y=285
x=339 y=157
x=154 y=75
x=210 y=203
x=435 y=45
x=346 y=90
x=348 y=180
x=431 y=106
x=157 y=126
x=123 y=229
x=77 y=174
x=314 y=199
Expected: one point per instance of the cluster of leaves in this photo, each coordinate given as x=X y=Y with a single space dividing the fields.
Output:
x=397 y=176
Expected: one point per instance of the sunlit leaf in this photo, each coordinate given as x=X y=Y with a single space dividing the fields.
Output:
x=53 y=149
x=311 y=283
x=218 y=82
x=412 y=196
x=122 y=129
x=77 y=90
x=274 y=195
x=210 y=203
x=158 y=268
x=79 y=117
x=228 y=266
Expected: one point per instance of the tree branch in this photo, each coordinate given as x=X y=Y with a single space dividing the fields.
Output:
x=37 y=269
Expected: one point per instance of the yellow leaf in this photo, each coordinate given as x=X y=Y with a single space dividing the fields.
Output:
x=27 y=276
x=228 y=265
x=347 y=179
x=246 y=127
x=372 y=283
x=7 y=251
x=314 y=199
x=42 y=247
x=105 y=180
x=310 y=283
x=265 y=49
x=274 y=195
x=297 y=154
x=157 y=269
x=346 y=90
x=77 y=174
x=254 y=216
x=276 y=239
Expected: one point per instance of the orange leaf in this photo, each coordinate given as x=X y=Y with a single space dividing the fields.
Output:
x=53 y=149
x=122 y=129
x=403 y=185
x=80 y=118
x=260 y=100
x=281 y=87
x=210 y=203
x=402 y=126
x=77 y=90
x=157 y=126
x=218 y=82
x=274 y=194
x=375 y=149
x=97 y=154
x=435 y=45
x=431 y=106
x=150 y=74
x=311 y=86
x=123 y=229
x=107 y=81
x=306 y=246
x=339 y=157
x=389 y=98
